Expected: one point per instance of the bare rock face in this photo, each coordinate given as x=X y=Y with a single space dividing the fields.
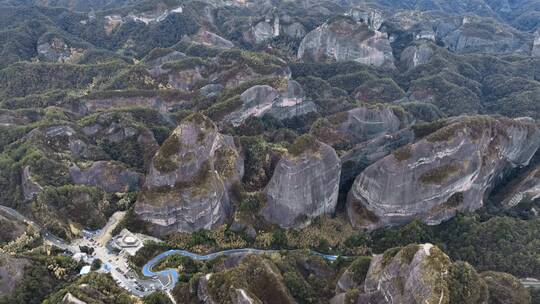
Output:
x=304 y=185
x=187 y=185
x=242 y=297
x=98 y=103
x=256 y=281
x=343 y=39
x=414 y=274
x=368 y=152
x=536 y=45
x=202 y=290
x=360 y=124
x=117 y=130
x=294 y=30
x=208 y=38
x=186 y=80
x=284 y=103
x=463 y=34
x=71 y=299
x=364 y=123
x=171 y=56
x=108 y=176
x=417 y=54
x=11 y=272
x=263 y=30
x=211 y=90
x=475 y=36
x=12 y=228
x=353 y=277
x=527 y=190
x=373 y=18
x=29 y=187
x=54 y=49
x=448 y=171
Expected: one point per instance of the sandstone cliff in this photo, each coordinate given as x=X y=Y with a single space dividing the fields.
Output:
x=186 y=188
x=304 y=185
x=448 y=171
x=343 y=39
x=281 y=103
x=108 y=176
x=525 y=190
x=359 y=125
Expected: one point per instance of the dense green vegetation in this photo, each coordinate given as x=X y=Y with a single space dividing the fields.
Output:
x=501 y=243
x=88 y=81
x=41 y=277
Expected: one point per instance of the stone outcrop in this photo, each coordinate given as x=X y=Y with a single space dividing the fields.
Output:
x=353 y=277
x=368 y=152
x=187 y=185
x=256 y=280
x=408 y=275
x=98 y=103
x=208 y=38
x=448 y=171
x=360 y=124
x=462 y=34
x=294 y=30
x=263 y=30
x=479 y=35
x=211 y=90
x=416 y=54
x=11 y=272
x=364 y=123
x=373 y=18
x=304 y=184
x=535 y=52
x=171 y=56
x=525 y=191
x=242 y=297
x=12 y=228
x=282 y=103
x=414 y=274
x=108 y=176
x=343 y=39
x=54 y=49
x=505 y=288
x=119 y=129
x=71 y=299
x=29 y=187
x=186 y=79
x=202 y=290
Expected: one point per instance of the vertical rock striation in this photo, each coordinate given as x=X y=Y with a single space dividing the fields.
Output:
x=187 y=185
x=304 y=185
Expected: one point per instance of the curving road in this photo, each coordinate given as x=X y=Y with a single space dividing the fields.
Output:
x=47 y=236
x=171 y=275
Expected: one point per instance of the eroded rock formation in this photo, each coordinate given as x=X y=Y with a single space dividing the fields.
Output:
x=448 y=171
x=343 y=39
x=360 y=124
x=281 y=103
x=304 y=185
x=108 y=176
x=187 y=185
x=526 y=190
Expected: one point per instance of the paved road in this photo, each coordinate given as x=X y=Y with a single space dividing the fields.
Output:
x=47 y=236
x=168 y=277
x=173 y=274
